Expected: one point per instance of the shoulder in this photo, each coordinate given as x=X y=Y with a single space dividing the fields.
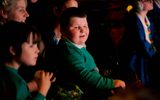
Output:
x=67 y=49
x=67 y=45
x=5 y=79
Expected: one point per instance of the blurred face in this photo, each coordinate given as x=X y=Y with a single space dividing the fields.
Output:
x=78 y=30
x=69 y=3
x=148 y=4
x=29 y=53
x=18 y=13
x=66 y=4
x=34 y=1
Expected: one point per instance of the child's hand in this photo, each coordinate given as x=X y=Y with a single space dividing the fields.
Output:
x=119 y=83
x=37 y=74
x=44 y=81
x=32 y=85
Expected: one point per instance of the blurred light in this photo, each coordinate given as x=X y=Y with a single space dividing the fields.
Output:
x=129 y=8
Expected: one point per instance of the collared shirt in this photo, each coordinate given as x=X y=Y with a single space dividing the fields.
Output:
x=145 y=27
x=79 y=46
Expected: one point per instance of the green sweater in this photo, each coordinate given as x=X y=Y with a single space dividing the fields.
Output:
x=78 y=66
x=13 y=87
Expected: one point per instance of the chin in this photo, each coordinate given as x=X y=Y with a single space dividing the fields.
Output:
x=32 y=64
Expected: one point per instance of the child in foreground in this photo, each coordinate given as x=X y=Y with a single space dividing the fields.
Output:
x=20 y=46
x=76 y=65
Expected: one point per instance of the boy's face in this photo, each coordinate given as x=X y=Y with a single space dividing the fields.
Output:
x=78 y=30
x=29 y=53
x=18 y=13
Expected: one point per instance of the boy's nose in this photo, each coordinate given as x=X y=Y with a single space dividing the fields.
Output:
x=82 y=29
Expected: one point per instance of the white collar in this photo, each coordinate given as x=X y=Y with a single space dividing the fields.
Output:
x=79 y=46
x=142 y=20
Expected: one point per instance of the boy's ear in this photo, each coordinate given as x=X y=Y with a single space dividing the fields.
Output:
x=3 y=14
x=12 y=51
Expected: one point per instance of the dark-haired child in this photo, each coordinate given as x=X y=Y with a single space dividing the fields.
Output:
x=20 y=46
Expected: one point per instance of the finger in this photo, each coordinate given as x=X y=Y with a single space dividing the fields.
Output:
x=49 y=74
x=53 y=80
x=43 y=74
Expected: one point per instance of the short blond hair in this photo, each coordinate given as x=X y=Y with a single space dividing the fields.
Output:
x=7 y=5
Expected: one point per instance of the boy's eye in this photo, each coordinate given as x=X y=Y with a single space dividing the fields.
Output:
x=85 y=26
x=76 y=27
x=80 y=26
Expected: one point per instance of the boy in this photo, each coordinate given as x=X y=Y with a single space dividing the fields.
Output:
x=75 y=64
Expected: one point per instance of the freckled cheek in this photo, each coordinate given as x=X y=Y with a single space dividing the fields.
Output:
x=73 y=31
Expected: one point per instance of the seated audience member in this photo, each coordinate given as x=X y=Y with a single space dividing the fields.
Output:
x=15 y=10
x=20 y=46
x=76 y=65
x=141 y=44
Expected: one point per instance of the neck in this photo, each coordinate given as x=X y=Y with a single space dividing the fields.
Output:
x=143 y=14
x=57 y=31
x=12 y=64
